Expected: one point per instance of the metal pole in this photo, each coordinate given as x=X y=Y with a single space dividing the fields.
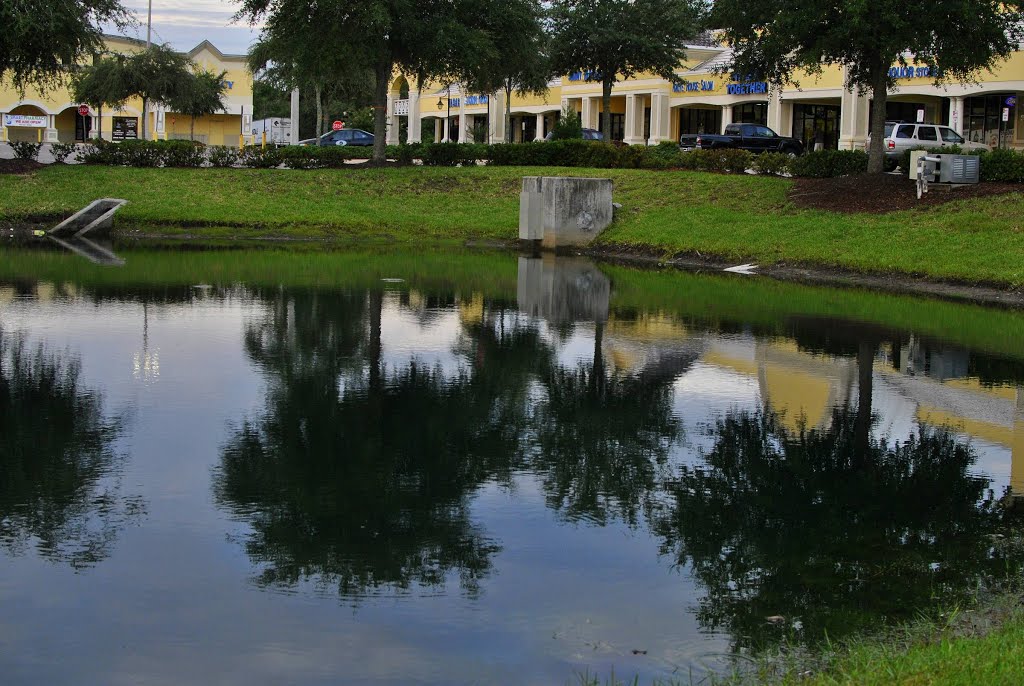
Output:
x=448 y=121
x=149 y=25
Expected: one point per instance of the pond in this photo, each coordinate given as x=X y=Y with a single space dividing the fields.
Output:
x=394 y=467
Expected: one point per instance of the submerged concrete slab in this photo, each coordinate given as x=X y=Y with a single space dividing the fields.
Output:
x=564 y=211
x=96 y=216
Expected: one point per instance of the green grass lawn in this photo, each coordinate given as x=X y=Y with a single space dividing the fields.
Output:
x=996 y=659
x=733 y=217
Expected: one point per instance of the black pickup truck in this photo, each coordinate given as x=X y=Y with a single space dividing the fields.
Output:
x=752 y=137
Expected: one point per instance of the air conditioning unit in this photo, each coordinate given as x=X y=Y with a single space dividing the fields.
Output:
x=959 y=169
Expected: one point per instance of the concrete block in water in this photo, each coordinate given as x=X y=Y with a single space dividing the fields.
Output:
x=562 y=289
x=572 y=211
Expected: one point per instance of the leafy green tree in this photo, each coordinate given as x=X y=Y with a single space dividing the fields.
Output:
x=42 y=41
x=157 y=74
x=515 y=59
x=568 y=126
x=611 y=39
x=426 y=39
x=104 y=82
x=955 y=38
x=202 y=95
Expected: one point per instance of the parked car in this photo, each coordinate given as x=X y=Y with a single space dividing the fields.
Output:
x=903 y=136
x=588 y=135
x=751 y=137
x=342 y=137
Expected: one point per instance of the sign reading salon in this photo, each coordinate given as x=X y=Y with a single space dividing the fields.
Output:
x=32 y=121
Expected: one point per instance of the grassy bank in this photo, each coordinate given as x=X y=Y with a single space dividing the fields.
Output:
x=733 y=217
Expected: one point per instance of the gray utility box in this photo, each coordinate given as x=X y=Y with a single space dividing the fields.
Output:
x=959 y=169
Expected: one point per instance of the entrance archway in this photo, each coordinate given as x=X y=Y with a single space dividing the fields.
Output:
x=30 y=134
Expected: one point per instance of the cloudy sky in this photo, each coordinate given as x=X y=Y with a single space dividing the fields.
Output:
x=184 y=23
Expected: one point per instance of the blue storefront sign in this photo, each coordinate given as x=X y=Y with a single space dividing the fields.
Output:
x=1011 y=101
x=693 y=86
x=585 y=76
x=910 y=72
x=476 y=100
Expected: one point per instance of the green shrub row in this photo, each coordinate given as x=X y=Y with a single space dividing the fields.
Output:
x=26 y=150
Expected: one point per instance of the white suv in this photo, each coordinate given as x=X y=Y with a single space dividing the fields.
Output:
x=900 y=137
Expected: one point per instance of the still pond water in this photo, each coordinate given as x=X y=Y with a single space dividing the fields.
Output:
x=288 y=467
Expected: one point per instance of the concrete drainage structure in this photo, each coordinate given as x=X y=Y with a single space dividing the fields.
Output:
x=564 y=211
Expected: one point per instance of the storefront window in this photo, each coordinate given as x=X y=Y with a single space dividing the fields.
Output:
x=750 y=113
x=817 y=126
x=618 y=126
x=693 y=121
x=989 y=119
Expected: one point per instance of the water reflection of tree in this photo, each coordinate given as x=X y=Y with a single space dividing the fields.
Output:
x=358 y=476
x=603 y=441
x=59 y=490
x=814 y=527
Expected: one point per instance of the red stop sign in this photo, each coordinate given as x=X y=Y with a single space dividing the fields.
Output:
x=83 y=110
x=338 y=125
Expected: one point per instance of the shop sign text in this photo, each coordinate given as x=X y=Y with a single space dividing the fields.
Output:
x=35 y=121
x=693 y=86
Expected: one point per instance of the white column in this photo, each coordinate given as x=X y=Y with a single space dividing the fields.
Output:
x=632 y=120
x=775 y=122
x=391 y=138
x=496 y=106
x=539 y=135
x=853 y=120
x=415 y=123
x=293 y=135
x=660 y=119
x=957 y=110
x=51 y=129
x=726 y=116
x=463 y=133
x=589 y=113
x=438 y=130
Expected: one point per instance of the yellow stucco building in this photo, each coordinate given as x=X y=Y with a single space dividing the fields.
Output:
x=648 y=110
x=53 y=116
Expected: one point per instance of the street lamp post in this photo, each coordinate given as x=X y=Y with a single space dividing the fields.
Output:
x=440 y=106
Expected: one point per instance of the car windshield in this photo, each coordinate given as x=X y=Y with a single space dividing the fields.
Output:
x=888 y=129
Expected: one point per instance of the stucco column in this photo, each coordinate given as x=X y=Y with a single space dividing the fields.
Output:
x=463 y=133
x=775 y=122
x=438 y=130
x=293 y=128
x=415 y=123
x=591 y=109
x=51 y=129
x=853 y=120
x=660 y=119
x=539 y=135
x=726 y=116
x=634 y=133
x=496 y=108
x=391 y=138
x=957 y=110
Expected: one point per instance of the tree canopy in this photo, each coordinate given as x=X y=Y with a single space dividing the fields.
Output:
x=779 y=39
x=202 y=95
x=41 y=41
x=607 y=40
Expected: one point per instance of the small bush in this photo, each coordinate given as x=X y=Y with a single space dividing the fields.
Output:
x=1006 y=166
x=405 y=153
x=140 y=153
x=568 y=126
x=720 y=161
x=62 y=151
x=181 y=153
x=25 y=150
x=451 y=154
x=222 y=156
x=255 y=157
x=300 y=157
x=772 y=163
x=826 y=164
x=100 y=152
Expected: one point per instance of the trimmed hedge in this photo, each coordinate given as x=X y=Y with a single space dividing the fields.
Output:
x=826 y=164
x=62 y=151
x=25 y=150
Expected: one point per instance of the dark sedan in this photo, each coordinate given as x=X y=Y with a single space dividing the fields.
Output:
x=342 y=137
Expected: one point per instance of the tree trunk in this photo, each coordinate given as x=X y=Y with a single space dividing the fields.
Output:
x=192 y=128
x=606 y=107
x=382 y=74
x=508 y=111
x=99 y=123
x=319 y=112
x=862 y=427
x=145 y=116
x=879 y=94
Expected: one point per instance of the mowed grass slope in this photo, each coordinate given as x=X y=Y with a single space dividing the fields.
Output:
x=732 y=217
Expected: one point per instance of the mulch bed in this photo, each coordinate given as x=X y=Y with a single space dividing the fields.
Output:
x=881 y=193
x=19 y=166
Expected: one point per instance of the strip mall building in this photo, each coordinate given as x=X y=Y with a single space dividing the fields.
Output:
x=53 y=116
x=650 y=110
